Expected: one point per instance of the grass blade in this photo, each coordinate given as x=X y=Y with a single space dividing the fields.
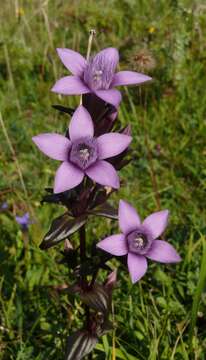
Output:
x=197 y=296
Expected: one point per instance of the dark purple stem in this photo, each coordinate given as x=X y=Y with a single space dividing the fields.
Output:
x=94 y=276
x=82 y=237
x=84 y=284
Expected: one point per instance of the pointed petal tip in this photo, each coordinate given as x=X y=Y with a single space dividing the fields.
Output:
x=112 y=48
x=114 y=244
x=35 y=139
x=179 y=259
x=81 y=124
x=134 y=280
x=137 y=266
x=111 y=52
x=70 y=85
x=123 y=202
x=166 y=213
x=111 y=96
x=129 y=219
x=67 y=177
x=176 y=257
x=56 y=190
x=72 y=60
x=111 y=280
x=156 y=223
x=53 y=145
x=112 y=144
x=129 y=78
x=53 y=89
x=103 y=173
x=117 y=184
x=148 y=78
x=163 y=252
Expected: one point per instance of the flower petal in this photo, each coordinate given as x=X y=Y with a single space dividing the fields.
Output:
x=70 y=85
x=112 y=144
x=137 y=265
x=104 y=174
x=53 y=145
x=115 y=245
x=128 y=217
x=81 y=124
x=23 y=220
x=163 y=252
x=156 y=223
x=67 y=177
x=111 y=96
x=101 y=68
x=111 y=55
x=129 y=78
x=73 y=61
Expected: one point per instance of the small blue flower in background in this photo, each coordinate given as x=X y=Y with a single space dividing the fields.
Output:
x=4 y=206
x=24 y=221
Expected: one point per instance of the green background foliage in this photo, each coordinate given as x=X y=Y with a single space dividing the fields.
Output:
x=164 y=315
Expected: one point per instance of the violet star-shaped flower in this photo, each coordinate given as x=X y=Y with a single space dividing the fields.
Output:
x=97 y=75
x=24 y=221
x=4 y=206
x=139 y=240
x=83 y=154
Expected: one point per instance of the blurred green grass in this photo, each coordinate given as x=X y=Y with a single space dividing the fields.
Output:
x=165 y=39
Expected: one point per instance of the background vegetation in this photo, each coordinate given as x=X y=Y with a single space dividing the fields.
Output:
x=164 y=315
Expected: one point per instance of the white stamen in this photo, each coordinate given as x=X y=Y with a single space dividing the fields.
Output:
x=139 y=242
x=98 y=75
x=84 y=154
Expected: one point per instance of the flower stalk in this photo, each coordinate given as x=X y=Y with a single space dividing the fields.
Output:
x=92 y=33
x=89 y=48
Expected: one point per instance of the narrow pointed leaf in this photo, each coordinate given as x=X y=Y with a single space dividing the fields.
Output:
x=64 y=109
x=62 y=198
x=96 y=298
x=104 y=328
x=105 y=210
x=61 y=228
x=79 y=345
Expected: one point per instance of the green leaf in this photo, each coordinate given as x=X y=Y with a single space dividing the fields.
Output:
x=80 y=344
x=61 y=228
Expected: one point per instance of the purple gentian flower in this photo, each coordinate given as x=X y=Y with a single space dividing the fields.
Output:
x=24 y=221
x=97 y=75
x=83 y=154
x=138 y=240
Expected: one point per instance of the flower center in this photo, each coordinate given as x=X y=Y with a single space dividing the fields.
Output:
x=84 y=152
x=138 y=242
x=98 y=75
x=99 y=72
